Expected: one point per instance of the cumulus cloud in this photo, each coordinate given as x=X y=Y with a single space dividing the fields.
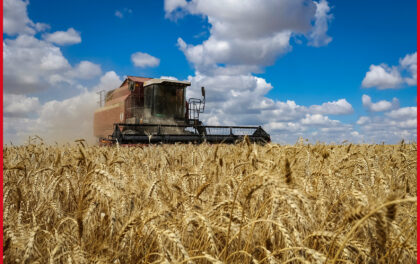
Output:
x=245 y=37
x=171 y=5
x=241 y=100
x=252 y=53
x=250 y=33
x=144 y=60
x=403 y=113
x=71 y=36
x=340 y=107
x=108 y=81
x=318 y=119
x=318 y=37
x=16 y=20
x=246 y=94
x=313 y=127
x=384 y=77
x=284 y=126
x=86 y=70
x=380 y=106
x=32 y=65
x=409 y=63
x=283 y=111
x=363 y=120
x=16 y=105
x=251 y=18
x=391 y=128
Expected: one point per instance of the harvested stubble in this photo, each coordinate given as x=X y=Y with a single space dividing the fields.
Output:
x=210 y=203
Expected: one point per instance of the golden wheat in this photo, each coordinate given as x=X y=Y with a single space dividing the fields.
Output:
x=210 y=203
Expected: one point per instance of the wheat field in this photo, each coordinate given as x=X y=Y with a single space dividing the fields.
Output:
x=244 y=203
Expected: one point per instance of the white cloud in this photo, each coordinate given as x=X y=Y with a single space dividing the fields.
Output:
x=32 y=65
x=250 y=52
x=390 y=130
x=380 y=106
x=252 y=18
x=86 y=70
x=242 y=94
x=284 y=111
x=313 y=127
x=119 y=14
x=409 y=63
x=318 y=37
x=240 y=100
x=284 y=126
x=172 y=5
x=245 y=36
x=318 y=120
x=16 y=20
x=68 y=37
x=16 y=105
x=403 y=113
x=385 y=77
x=363 y=120
x=143 y=60
x=108 y=81
x=340 y=107
x=250 y=33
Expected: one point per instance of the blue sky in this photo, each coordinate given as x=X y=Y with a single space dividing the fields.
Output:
x=299 y=68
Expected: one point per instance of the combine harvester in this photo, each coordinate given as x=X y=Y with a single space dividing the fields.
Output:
x=148 y=111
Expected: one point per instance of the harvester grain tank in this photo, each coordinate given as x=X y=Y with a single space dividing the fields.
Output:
x=149 y=110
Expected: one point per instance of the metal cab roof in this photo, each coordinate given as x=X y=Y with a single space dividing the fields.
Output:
x=166 y=81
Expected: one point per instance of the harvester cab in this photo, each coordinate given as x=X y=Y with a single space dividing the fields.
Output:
x=146 y=110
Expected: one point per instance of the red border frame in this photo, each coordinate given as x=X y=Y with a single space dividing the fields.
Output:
x=418 y=156
x=1 y=140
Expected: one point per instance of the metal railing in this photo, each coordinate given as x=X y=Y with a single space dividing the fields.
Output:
x=155 y=133
x=101 y=101
x=195 y=107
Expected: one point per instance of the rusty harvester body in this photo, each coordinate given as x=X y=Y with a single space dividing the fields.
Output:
x=146 y=110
